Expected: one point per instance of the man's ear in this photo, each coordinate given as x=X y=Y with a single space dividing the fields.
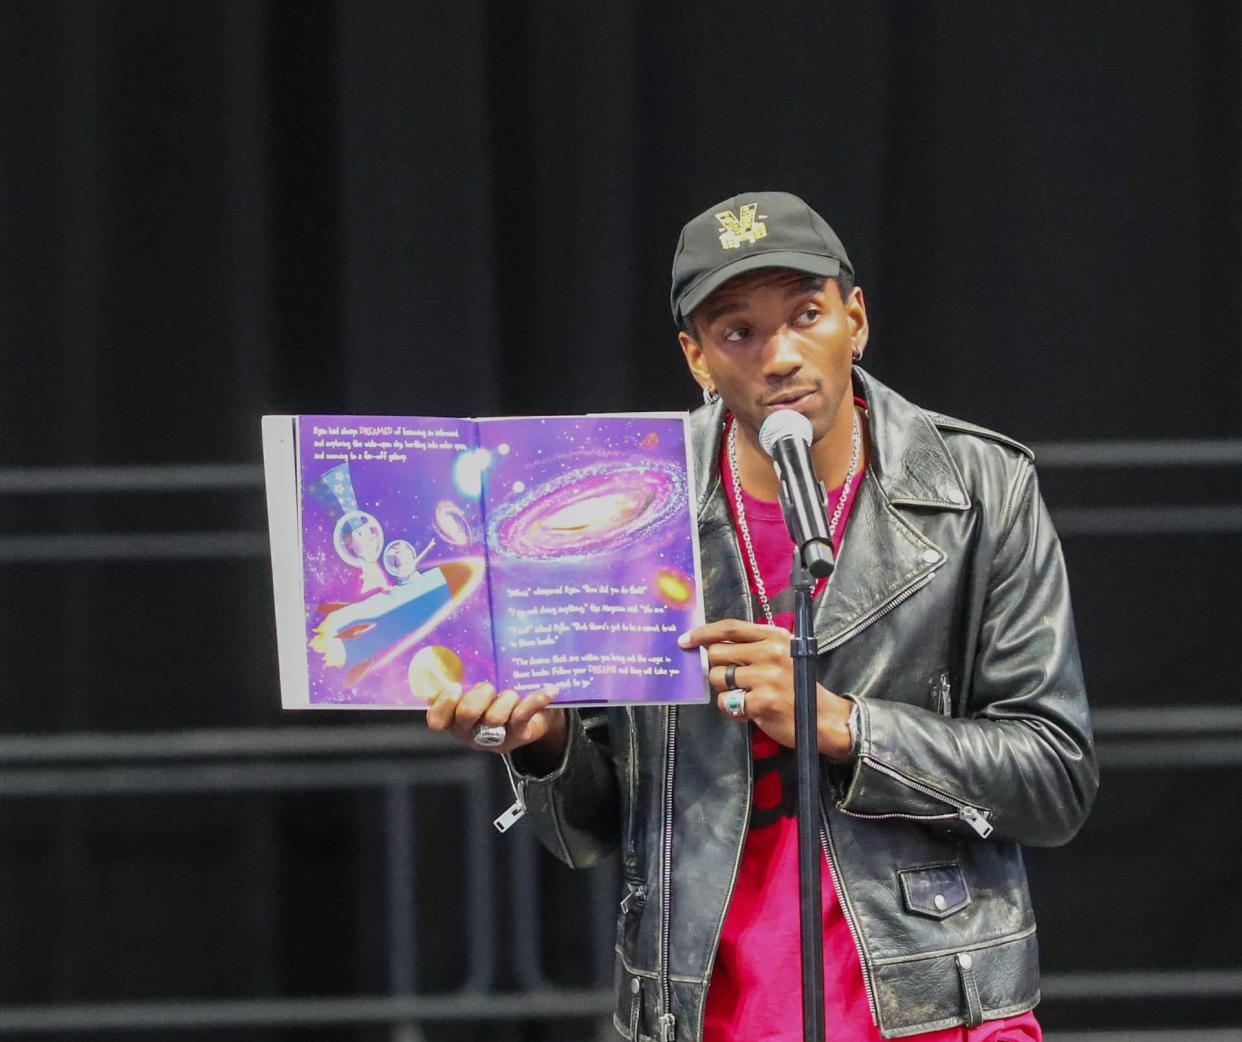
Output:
x=695 y=361
x=856 y=312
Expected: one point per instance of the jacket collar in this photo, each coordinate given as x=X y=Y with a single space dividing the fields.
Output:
x=885 y=557
x=909 y=457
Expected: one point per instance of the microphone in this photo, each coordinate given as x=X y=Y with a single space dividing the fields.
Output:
x=786 y=436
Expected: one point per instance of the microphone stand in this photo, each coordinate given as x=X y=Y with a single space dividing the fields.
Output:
x=806 y=745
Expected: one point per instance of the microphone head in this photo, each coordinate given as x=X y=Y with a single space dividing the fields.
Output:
x=784 y=423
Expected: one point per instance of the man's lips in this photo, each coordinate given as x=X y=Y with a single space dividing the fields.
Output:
x=789 y=398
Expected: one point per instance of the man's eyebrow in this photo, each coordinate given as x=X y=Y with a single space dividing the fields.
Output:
x=712 y=312
x=728 y=304
x=810 y=284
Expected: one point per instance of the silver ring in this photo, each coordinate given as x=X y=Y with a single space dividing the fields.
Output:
x=735 y=703
x=489 y=735
x=730 y=677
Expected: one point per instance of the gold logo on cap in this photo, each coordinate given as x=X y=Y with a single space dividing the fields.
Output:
x=741 y=227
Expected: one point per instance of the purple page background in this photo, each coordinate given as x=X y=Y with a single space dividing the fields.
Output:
x=530 y=459
x=403 y=496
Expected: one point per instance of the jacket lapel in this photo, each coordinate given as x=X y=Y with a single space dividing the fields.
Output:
x=883 y=559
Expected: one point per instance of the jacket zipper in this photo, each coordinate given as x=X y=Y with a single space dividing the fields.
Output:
x=868 y=985
x=635 y=897
x=667 y=1022
x=975 y=817
x=903 y=817
x=867 y=620
x=633 y=784
x=514 y=813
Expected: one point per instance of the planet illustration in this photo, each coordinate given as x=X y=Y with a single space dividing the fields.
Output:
x=468 y=471
x=596 y=509
x=451 y=524
x=434 y=670
x=651 y=442
x=673 y=587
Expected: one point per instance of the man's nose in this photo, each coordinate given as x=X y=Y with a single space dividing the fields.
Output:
x=781 y=354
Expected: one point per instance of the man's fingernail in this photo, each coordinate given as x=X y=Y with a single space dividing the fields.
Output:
x=684 y=640
x=551 y=691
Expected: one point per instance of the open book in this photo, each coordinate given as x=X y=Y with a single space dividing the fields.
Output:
x=410 y=554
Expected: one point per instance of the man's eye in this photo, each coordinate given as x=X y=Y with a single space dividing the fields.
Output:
x=738 y=333
x=809 y=315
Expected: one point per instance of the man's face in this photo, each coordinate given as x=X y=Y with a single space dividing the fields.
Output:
x=778 y=339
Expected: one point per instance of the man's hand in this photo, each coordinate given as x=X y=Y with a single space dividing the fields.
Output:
x=763 y=669
x=528 y=721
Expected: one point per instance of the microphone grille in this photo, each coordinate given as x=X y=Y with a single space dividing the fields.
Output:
x=784 y=423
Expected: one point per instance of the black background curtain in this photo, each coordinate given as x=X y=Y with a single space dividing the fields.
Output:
x=213 y=210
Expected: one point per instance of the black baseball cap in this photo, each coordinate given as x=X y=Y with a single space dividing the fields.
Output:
x=748 y=231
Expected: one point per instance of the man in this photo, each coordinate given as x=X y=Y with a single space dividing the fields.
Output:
x=953 y=722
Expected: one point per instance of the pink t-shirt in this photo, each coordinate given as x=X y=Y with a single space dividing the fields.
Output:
x=755 y=994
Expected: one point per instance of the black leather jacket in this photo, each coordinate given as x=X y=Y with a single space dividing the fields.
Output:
x=948 y=621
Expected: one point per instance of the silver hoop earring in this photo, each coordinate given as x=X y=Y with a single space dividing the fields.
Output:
x=856 y=354
x=710 y=396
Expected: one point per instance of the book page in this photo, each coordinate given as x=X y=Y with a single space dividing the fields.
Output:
x=395 y=593
x=593 y=558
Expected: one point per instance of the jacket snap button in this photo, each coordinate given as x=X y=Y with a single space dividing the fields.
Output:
x=930 y=556
x=634 y=985
x=965 y=961
x=955 y=496
x=940 y=903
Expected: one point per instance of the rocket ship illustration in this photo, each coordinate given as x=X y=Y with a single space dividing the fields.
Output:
x=356 y=635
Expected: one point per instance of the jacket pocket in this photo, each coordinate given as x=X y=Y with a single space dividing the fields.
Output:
x=935 y=891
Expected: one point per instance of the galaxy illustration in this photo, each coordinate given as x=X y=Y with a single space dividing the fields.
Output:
x=591 y=510
x=450 y=522
x=591 y=557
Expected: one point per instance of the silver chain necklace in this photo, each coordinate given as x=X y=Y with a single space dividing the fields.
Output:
x=850 y=474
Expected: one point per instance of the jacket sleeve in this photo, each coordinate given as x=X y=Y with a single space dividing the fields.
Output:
x=575 y=809
x=1020 y=763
